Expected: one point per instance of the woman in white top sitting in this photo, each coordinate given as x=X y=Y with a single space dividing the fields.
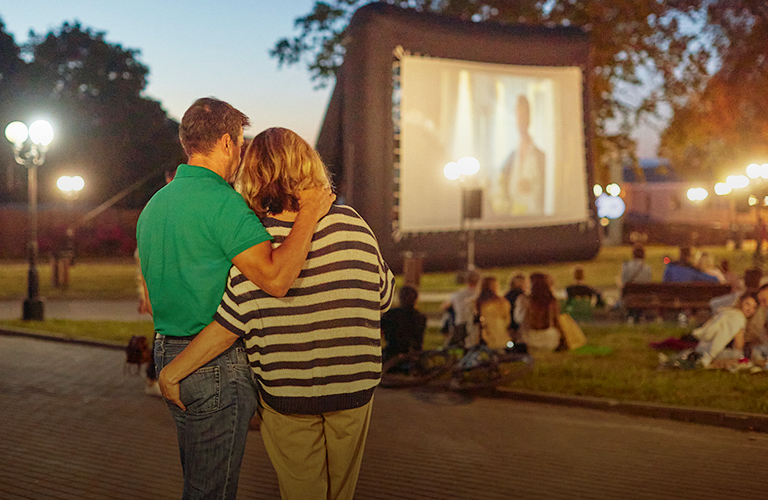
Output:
x=726 y=326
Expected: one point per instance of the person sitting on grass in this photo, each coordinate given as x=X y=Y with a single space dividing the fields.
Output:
x=517 y=287
x=756 y=333
x=725 y=327
x=706 y=264
x=403 y=327
x=580 y=290
x=493 y=310
x=539 y=315
x=683 y=270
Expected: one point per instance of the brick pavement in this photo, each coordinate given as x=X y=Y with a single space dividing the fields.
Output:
x=75 y=426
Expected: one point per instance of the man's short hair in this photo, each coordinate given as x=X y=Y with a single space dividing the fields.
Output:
x=685 y=253
x=516 y=277
x=207 y=121
x=578 y=273
x=473 y=278
x=638 y=252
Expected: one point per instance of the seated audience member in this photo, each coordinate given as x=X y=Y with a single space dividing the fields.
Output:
x=726 y=326
x=706 y=264
x=538 y=315
x=516 y=289
x=636 y=270
x=494 y=312
x=730 y=277
x=756 y=334
x=579 y=289
x=682 y=270
x=461 y=304
x=403 y=327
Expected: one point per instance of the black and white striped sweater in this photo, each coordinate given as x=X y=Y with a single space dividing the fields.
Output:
x=318 y=349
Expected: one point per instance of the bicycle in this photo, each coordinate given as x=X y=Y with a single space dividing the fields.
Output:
x=456 y=368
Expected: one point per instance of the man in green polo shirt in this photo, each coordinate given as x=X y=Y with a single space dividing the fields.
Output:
x=189 y=235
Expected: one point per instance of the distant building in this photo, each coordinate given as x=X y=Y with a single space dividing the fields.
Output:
x=658 y=209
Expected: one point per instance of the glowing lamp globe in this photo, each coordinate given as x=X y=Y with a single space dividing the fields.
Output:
x=609 y=207
x=16 y=132
x=468 y=165
x=451 y=171
x=41 y=132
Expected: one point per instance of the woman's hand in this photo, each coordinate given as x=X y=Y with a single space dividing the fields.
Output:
x=316 y=202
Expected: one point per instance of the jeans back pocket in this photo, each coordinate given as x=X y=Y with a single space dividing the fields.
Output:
x=201 y=390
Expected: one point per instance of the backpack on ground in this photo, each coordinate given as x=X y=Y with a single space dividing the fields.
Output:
x=138 y=352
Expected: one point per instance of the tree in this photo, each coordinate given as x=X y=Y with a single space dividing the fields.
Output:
x=718 y=131
x=11 y=68
x=11 y=65
x=629 y=39
x=105 y=129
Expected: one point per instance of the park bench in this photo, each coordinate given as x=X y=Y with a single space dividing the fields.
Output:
x=672 y=297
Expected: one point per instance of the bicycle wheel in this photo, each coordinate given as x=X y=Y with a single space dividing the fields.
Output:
x=415 y=368
x=495 y=369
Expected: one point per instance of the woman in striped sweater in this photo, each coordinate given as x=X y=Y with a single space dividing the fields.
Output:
x=316 y=353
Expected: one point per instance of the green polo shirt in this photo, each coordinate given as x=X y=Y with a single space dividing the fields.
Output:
x=187 y=235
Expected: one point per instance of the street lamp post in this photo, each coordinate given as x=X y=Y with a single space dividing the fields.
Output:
x=471 y=200
x=29 y=147
x=70 y=188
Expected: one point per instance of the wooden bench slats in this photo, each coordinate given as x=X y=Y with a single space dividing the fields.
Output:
x=672 y=296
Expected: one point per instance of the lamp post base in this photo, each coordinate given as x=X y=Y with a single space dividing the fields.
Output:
x=33 y=310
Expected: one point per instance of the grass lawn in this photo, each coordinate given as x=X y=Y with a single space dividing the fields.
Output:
x=111 y=279
x=629 y=372
x=105 y=279
x=601 y=272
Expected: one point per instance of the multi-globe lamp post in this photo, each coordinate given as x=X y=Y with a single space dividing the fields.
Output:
x=758 y=195
x=610 y=206
x=29 y=147
x=471 y=199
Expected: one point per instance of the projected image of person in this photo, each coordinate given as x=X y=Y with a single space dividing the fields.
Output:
x=521 y=179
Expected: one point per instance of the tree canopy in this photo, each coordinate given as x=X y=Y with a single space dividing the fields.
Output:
x=91 y=91
x=648 y=57
x=723 y=128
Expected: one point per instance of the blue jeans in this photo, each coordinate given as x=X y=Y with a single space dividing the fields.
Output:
x=220 y=398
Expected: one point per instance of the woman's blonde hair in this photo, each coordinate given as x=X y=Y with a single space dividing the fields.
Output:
x=277 y=166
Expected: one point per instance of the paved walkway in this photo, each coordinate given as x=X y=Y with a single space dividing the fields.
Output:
x=74 y=425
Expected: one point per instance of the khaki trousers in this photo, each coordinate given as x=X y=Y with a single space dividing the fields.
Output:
x=316 y=457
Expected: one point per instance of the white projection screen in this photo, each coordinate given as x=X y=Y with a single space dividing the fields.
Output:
x=524 y=124
x=418 y=90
